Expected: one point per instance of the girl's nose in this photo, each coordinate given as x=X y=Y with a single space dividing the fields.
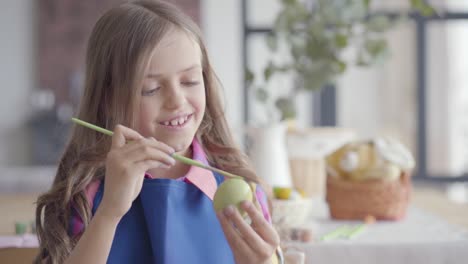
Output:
x=175 y=97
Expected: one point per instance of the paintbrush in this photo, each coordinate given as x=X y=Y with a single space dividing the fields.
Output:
x=174 y=155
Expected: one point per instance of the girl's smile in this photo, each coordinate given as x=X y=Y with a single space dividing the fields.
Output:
x=178 y=122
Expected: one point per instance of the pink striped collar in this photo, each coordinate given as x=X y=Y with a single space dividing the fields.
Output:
x=203 y=179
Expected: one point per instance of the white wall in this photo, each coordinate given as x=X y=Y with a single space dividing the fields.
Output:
x=16 y=77
x=222 y=27
x=448 y=98
x=457 y=38
x=382 y=100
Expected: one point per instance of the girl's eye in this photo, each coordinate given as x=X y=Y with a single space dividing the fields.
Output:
x=190 y=83
x=149 y=91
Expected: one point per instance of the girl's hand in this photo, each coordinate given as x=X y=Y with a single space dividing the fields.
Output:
x=255 y=243
x=126 y=165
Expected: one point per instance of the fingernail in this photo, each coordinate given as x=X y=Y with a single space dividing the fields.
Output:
x=228 y=211
x=164 y=166
x=171 y=149
x=173 y=161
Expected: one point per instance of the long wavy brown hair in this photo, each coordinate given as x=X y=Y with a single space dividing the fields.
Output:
x=117 y=56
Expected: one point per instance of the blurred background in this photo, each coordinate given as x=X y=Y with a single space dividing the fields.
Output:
x=414 y=89
x=42 y=73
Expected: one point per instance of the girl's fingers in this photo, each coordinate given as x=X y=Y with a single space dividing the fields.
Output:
x=264 y=229
x=236 y=242
x=147 y=153
x=122 y=134
x=146 y=165
x=147 y=142
x=247 y=232
x=160 y=145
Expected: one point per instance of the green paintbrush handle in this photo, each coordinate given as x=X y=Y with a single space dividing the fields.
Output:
x=340 y=231
x=201 y=165
x=174 y=155
x=93 y=127
x=356 y=231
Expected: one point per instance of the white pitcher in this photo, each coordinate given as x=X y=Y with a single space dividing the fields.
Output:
x=268 y=152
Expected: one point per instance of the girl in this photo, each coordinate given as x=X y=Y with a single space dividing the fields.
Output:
x=123 y=199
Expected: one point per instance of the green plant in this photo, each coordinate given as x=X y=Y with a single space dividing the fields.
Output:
x=315 y=34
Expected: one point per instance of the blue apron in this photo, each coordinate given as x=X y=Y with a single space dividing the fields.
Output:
x=170 y=222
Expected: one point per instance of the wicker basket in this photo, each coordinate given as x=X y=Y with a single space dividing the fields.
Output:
x=385 y=200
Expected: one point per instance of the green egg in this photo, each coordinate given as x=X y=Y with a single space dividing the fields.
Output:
x=232 y=192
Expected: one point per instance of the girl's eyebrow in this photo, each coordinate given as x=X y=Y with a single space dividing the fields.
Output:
x=156 y=75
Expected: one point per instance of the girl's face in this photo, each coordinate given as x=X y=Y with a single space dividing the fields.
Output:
x=172 y=101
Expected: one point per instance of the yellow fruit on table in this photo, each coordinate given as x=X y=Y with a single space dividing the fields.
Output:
x=302 y=193
x=282 y=193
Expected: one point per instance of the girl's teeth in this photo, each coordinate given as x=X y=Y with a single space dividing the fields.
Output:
x=176 y=122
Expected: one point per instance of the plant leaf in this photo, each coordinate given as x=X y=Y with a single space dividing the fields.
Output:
x=261 y=94
x=379 y=23
x=249 y=77
x=377 y=49
x=422 y=7
x=341 y=41
x=286 y=107
x=269 y=70
x=367 y=4
x=272 y=41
